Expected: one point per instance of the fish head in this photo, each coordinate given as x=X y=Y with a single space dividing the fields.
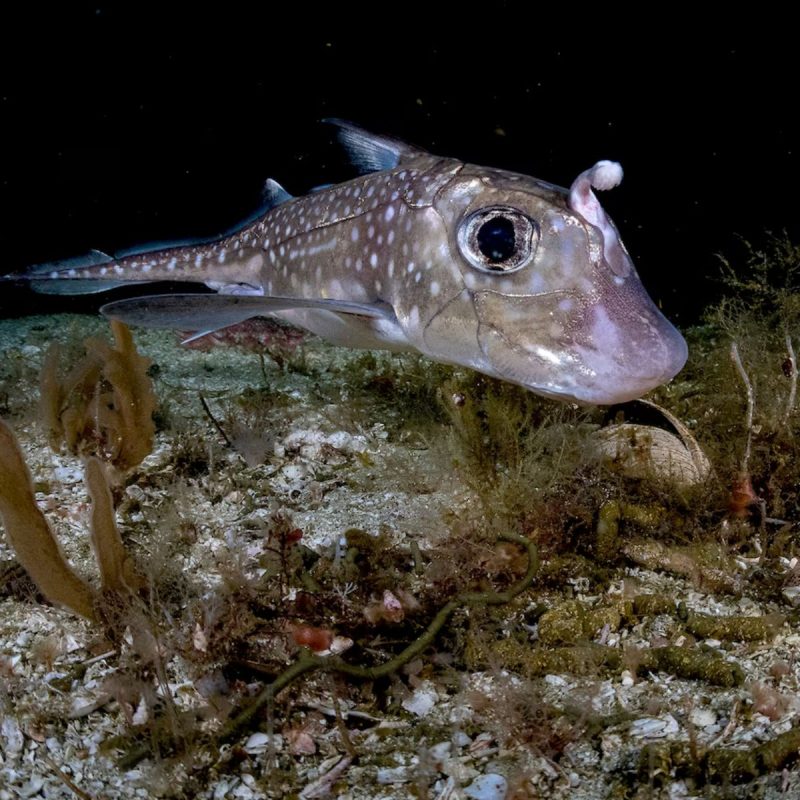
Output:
x=543 y=293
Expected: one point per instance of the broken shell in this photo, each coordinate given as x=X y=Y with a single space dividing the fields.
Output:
x=654 y=727
x=655 y=444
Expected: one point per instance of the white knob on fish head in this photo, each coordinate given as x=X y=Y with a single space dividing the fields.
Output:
x=603 y=175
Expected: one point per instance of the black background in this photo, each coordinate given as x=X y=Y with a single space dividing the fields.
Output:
x=124 y=124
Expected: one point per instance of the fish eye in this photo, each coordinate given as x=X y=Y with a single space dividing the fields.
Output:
x=498 y=239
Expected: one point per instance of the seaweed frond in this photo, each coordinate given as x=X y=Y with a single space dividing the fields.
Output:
x=104 y=405
x=30 y=536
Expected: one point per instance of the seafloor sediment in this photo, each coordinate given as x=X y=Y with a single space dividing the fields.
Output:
x=333 y=441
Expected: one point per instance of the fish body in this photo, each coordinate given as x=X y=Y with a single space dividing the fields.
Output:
x=480 y=267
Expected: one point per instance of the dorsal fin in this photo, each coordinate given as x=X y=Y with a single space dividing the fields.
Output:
x=370 y=152
x=273 y=194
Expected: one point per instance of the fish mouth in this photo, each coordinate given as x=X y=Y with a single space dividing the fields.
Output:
x=608 y=354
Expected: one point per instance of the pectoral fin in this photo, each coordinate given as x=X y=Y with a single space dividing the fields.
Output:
x=210 y=312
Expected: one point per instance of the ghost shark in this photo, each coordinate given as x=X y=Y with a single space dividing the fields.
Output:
x=488 y=269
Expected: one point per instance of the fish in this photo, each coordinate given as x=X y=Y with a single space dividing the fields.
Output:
x=479 y=267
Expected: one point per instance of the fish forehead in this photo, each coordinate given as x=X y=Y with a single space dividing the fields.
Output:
x=516 y=182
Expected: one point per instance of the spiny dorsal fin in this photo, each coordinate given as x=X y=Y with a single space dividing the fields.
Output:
x=370 y=152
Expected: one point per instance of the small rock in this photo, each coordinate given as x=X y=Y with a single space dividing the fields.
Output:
x=703 y=717
x=13 y=740
x=68 y=475
x=792 y=595
x=654 y=727
x=487 y=787
x=259 y=742
x=461 y=739
x=422 y=701
x=32 y=787
x=395 y=775
x=440 y=752
x=627 y=678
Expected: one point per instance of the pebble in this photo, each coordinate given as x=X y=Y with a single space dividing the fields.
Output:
x=487 y=787
x=395 y=775
x=259 y=742
x=68 y=475
x=13 y=740
x=441 y=751
x=422 y=700
x=703 y=717
x=461 y=739
x=654 y=727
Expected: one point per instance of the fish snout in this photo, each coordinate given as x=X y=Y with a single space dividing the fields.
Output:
x=630 y=349
x=601 y=352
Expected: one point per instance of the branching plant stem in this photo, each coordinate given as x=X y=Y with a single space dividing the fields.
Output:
x=751 y=404
x=310 y=663
x=792 y=378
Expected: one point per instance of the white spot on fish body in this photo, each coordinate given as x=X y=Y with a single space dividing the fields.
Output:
x=410 y=266
x=359 y=264
x=256 y=262
x=417 y=277
x=390 y=268
x=198 y=259
x=221 y=256
x=373 y=260
x=389 y=215
x=118 y=269
x=173 y=262
x=354 y=234
x=547 y=355
x=71 y=273
x=370 y=232
x=435 y=288
x=390 y=237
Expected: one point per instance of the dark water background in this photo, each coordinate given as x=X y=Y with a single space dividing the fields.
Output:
x=124 y=124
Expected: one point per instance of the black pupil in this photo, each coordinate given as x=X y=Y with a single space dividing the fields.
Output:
x=496 y=239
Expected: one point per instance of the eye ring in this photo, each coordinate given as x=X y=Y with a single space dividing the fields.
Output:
x=498 y=239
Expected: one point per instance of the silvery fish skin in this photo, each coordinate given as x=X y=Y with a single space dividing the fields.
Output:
x=479 y=267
